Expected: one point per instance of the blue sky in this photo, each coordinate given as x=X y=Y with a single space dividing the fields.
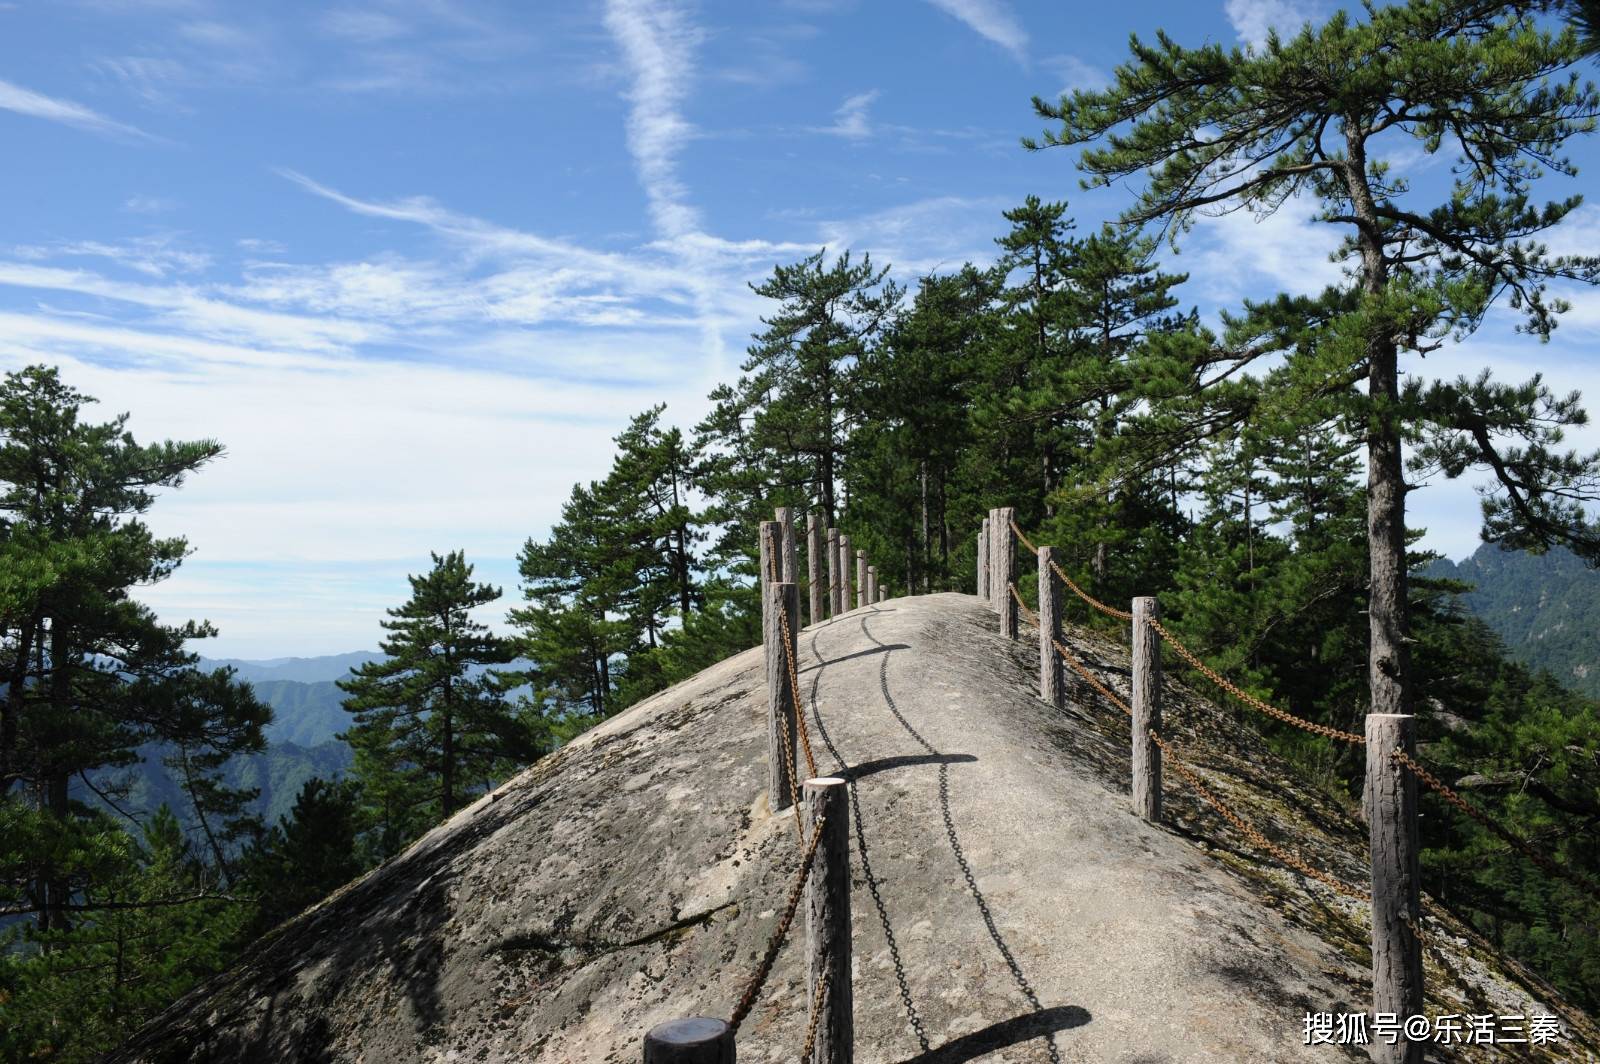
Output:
x=414 y=262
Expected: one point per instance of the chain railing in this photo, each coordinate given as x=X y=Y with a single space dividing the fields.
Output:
x=752 y=990
x=1244 y=827
x=1504 y=833
x=1392 y=732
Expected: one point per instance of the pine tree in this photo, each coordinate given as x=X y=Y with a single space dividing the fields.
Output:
x=1310 y=116
x=92 y=675
x=429 y=725
x=777 y=437
x=309 y=853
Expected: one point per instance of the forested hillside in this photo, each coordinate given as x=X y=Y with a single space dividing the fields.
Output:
x=1546 y=607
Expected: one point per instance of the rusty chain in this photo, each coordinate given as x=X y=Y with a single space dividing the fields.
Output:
x=747 y=1000
x=1071 y=659
x=1249 y=831
x=1094 y=603
x=1244 y=826
x=794 y=692
x=1023 y=536
x=1248 y=699
x=800 y=719
x=816 y=1015
x=1505 y=833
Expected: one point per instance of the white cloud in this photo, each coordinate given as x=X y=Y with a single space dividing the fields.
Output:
x=1252 y=19
x=850 y=120
x=364 y=26
x=149 y=205
x=992 y=19
x=27 y=102
x=1076 y=74
x=1237 y=255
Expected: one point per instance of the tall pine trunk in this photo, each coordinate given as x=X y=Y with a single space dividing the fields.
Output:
x=1389 y=654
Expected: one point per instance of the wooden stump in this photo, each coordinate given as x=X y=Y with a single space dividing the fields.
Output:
x=983 y=560
x=781 y=710
x=834 y=600
x=1003 y=566
x=861 y=578
x=828 y=920
x=693 y=1040
x=1391 y=795
x=785 y=518
x=1146 y=710
x=814 y=567
x=1050 y=590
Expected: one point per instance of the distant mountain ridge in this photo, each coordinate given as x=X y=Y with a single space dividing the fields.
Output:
x=327 y=668
x=1545 y=606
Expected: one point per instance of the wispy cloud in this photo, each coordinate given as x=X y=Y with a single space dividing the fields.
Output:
x=1076 y=74
x=658 y=45
x=992 y=19
x=850 y=120
x=37 y=105
x=1252 y=19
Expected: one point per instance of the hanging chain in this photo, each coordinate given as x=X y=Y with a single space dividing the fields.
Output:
x=747 y=1000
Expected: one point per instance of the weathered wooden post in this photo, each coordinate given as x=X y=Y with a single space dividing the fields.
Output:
x=693 y=1040
x=861 y=578
x=814 y=566
x=771 y=552
x=779 y=601
x=828 y=921
x=883 y=592
x=834 y=607
x=786 y=569
x=1003 y=569
x=983 y=562
x=872 y=584
x=1391 y=795
x=1049 y=628
x=1146 y=710
x=846 y=559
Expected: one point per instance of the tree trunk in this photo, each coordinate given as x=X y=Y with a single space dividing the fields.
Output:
x=11 y=714
x=1388 y=660
x=447 y=752
x=53 y=781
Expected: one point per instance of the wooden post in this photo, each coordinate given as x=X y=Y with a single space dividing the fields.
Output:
x=814 y=567
x=694 y=1040
x=983 y=561
x=861 y=578
x=1050 y=589
x=832 y=575
x=1391 y=792
x=828 y=921
x=883 y=592
x=781 y=726
x=771 y=552
x=785 y=518
x=845 y=557
x=872 y=584
x=1003 y=566
x=1146 y=710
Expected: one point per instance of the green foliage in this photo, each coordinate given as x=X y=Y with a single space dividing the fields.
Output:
x=309 y=853
x=426 y=730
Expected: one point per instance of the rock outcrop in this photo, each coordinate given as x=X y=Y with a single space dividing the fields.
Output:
x=1007 y=903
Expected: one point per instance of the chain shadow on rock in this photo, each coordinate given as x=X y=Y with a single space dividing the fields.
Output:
x=858 y=654
x=1015 y=1031
x=864 y=855
x=1000 y=944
